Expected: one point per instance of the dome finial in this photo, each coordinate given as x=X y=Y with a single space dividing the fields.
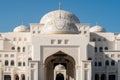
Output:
x=96 y=23
x=22 y=23
x=59 y=6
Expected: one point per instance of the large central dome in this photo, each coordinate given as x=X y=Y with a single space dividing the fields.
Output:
x=59 y=22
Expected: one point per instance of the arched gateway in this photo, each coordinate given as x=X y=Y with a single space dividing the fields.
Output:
x=65 y=72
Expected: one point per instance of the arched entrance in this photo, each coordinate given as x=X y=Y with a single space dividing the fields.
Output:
x=112 y=77
x=63 y=59
x=16 y=77
x=96 y=77
x=59 y=77
x=7 y=77
x=103 y=77
x=23 y=77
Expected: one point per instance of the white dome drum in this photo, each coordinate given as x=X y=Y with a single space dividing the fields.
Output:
x=59 y=14
x=59 y=22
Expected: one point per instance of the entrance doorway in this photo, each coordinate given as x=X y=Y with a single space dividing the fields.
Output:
x=63 y=59
x=7 y=77
x=59 y=77
x=111 y=77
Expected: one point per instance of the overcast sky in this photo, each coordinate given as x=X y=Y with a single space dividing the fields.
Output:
x=106 y=13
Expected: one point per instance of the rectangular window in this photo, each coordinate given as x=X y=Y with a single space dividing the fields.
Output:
x=14 y=39
x=6 y=55
x=118 y=55
x=23 y=63
x=52 y=41
x=66 y=41
x=12 y=55
x=59 y=41
x=112 y=55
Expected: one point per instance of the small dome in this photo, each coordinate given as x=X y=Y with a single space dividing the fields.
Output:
x=118 y=35
x=28 y=29
x=20 y=28
x=97 y=28
x=59 y=67
x=59 y=22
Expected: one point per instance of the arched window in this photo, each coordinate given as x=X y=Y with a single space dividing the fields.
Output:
x=23 y=49
x=23 y=63
x=100 y=49
x=19 y=63
x=23 y=77
x=95 y=49
x=95 y=63
x=99 y=64
x=18 y=49
x=103 y=77
x=112 y=77
x=96 y=77
x=89 y=58
x=7 y=77
x=106 y=48
x=29 y=59
x=94 y=39
x=12 y=63
x=107 y=63
x=99 y=39
x=14 y=39
x=13 y=48
x=25 y=39
x=104 y=39
x=6 y=63
x=33 y=32
x=16 y=77
x=112 y=63
x=19 y=39
x=38 y=31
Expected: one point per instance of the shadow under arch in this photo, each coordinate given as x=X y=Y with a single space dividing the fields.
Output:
x=59 y=58
x=60 y=76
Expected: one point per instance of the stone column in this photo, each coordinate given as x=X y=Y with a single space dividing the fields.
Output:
x=36 y=71
x=33 y=70
x=86 y=70
x=20 y=78
x=41 y=72
x=26 y=73
x=118 y=74
x=1 y=75
x=107 y=75
x=12 y=74
x=77 y=74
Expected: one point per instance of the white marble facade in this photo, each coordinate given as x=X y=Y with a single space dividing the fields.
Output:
x=59 y=47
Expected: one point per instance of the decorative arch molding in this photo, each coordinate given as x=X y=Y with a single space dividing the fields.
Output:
x=59 y=54
x=59 y=58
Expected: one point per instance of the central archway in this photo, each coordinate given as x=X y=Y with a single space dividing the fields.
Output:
x=59 y=58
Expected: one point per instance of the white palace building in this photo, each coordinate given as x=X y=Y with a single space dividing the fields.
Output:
x=59 y=47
